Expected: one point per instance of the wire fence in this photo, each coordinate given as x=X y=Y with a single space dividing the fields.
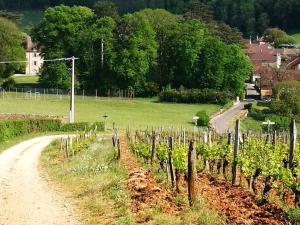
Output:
x=60 y=94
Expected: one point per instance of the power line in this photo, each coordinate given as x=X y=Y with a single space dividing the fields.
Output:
x=42 y=60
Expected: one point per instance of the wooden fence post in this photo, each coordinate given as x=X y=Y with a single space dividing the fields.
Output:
x=191 y=172
x=235 y=152
x=293 y=140
x=170 y=160
x=67 y=149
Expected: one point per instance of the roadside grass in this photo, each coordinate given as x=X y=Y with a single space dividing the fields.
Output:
x=96 y=183
x=137 y=113
x=94 y=180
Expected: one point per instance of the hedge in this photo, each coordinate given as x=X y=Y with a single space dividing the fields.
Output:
x=13 y=128
x=195 y=96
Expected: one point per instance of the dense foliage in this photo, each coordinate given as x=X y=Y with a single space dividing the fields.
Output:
x=195 y=96
x=144 y=51
x=11 y=48
x=251 y=16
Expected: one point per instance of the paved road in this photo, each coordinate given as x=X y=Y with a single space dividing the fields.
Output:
x=221 y=122
x=26 y=198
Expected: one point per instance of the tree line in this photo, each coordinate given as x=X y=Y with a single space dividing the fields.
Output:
x=249 y=16
x=144 y=51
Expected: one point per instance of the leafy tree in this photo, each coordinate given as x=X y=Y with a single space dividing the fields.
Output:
x=164 y=24
x=96 y=73
x=277 y=37
x=136 y=50
x=210 y=72
x=55 y=75
x=106 y=8
x=199 y=11
x=11 y=48
x=58 y=33
x=237 y=69
x=187 y=44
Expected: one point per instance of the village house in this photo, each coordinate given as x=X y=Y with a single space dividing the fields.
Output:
x=33 y=58
x=271 y=65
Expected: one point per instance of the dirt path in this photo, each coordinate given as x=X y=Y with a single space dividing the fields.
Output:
x=25 y=196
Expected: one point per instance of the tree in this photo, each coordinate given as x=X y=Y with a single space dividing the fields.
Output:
x=11 y=48
x=210 y=72
x=164 y=24
x=58 y=34
x=94 y=43
x=186 y=46
x=238 y=68
x=106 y=8
x=136 y=50
x=277 y=37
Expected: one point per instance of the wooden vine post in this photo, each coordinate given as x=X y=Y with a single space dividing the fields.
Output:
x=170 y=160
x=235 y=151
x=119 y=149
x=191 y=172
x=293 y=141
x=153 y=147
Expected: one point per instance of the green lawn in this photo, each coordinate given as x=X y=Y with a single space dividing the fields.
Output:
x=134 y=113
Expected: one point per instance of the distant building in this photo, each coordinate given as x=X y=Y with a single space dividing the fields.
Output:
x=271 y=65
x=33 y=58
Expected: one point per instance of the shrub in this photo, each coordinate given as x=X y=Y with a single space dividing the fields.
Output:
x=14 y=128
x=82 y=126
x=9 y=83
x=203 y=118
x=195 y=96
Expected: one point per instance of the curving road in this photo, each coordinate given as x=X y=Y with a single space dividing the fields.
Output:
x=221 y=122
x=25 y=196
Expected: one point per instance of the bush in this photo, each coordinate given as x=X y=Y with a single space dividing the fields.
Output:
x=8 y=83
x=195 y=96
x=82 y=126
x=14 y=128
x=203 y=118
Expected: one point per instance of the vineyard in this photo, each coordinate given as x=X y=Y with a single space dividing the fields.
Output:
x=265 y=164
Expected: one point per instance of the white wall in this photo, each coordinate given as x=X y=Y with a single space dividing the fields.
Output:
x=34 y=63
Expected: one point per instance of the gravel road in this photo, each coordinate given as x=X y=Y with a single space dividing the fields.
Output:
x=26 y=198
x=221 y=122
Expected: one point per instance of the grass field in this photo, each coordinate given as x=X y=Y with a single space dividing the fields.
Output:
x=134 y=113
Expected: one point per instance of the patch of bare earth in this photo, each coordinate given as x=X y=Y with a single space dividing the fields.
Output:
x=237 y=204
x=145 y=191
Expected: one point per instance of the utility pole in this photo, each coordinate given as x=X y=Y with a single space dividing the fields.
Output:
x=102 y=52
x=72 y=102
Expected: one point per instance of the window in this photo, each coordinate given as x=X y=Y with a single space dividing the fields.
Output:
x=34 y=63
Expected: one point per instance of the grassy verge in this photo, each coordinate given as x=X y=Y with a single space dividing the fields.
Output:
x=95 y=180
x=7 y=144
x=134 y=113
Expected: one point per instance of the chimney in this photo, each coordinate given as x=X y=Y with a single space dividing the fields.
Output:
x=278 y=63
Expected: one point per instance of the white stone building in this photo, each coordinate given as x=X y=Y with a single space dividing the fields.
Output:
x=33 y=58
